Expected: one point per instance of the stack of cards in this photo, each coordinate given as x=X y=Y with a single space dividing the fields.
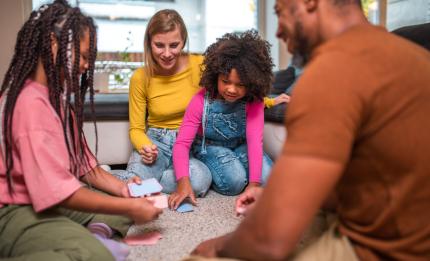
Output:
x=146 y=188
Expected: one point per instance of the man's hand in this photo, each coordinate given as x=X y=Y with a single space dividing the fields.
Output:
x=183 y=191
x=282 y=98
x=149 y=153
x=142 y=211
x=209 y=248
x=246 y=201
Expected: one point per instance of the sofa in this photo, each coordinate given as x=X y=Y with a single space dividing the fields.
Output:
x=111 y=114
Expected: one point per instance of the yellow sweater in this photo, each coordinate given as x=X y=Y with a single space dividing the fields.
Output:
x=165 y=99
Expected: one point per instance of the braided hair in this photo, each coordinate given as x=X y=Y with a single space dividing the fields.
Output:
x=67 y=88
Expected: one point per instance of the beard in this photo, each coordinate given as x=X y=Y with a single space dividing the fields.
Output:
x=301 y=54
x=298 y=60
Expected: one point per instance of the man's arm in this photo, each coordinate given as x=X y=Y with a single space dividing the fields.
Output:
x=297 y=188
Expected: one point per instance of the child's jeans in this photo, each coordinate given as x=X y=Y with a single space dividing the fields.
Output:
x=229 y=167
x=162 y=168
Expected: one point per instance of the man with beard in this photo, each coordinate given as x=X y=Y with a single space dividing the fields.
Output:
x=358 y=128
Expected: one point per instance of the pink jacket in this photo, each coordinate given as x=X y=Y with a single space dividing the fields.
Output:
x=192 y=123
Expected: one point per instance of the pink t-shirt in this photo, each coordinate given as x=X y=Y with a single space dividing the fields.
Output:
x=192 y=123
x=41 y=175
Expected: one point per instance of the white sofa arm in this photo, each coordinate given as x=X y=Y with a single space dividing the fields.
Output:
x=273 y=138
x=114 y=146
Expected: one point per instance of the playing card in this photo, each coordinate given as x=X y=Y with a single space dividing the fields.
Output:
x=160 y=201
x=146 y=188
x=185 y=207
x=150 y=238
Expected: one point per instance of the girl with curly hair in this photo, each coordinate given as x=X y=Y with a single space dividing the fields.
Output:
x=44 y=156
x=224 y=122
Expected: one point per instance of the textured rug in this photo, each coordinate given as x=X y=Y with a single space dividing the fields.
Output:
x=182 y=232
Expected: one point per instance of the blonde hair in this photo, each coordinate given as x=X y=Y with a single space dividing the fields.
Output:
x=164 y=21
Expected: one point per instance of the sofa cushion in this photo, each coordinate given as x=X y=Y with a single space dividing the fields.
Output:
x=283 y=83
x=108 y=107
x=419 y=34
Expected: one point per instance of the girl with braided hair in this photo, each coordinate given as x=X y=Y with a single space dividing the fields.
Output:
x=44 y=156
x=223 y=124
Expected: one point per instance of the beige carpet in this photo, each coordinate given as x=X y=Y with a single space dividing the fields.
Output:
x=182 y=232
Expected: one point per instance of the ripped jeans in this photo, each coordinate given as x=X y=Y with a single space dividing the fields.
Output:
x=223 y=147
x=162 y=168
x=229 y=167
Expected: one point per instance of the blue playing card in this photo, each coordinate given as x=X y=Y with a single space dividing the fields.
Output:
x=185 y=207
x=146 y=188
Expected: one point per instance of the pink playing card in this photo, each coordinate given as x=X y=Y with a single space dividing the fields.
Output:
x=160 y=201
x=146 y=239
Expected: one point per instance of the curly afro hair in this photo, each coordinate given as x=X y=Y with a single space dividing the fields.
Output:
x=246 y=52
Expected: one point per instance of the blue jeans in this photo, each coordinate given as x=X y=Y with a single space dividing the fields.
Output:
x=229 y=167
x=162 y=168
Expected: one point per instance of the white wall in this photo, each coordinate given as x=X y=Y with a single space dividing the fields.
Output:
x=269 y=26
x=407 y=12
x=12 y=15
x=114 y=146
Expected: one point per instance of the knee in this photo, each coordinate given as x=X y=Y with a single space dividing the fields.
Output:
x=201 y=178
x=231 y=182
x=121 y=174
x=88 y=248
x=266 y=169
x=168 y=181
x=99 y=253
x=144 y=171
x=136 y=169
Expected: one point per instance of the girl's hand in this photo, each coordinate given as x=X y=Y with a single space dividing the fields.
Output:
x=252 y=185
x=246 y=201
x=184 y=190
x=143 y=211
x=125 y=192
x=282 y=98
x=149 y=153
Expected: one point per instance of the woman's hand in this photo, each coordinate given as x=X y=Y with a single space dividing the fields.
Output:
x=149 y=153
x=246 y=201
x=143 y=210
x=282 y=98
x=183 y=190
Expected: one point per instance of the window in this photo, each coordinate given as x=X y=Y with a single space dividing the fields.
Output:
x=407 y=12
x=394 y=14
x=122 y=23
x=371 y=10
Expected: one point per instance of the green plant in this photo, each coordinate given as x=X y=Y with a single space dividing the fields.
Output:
x=123 y=73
